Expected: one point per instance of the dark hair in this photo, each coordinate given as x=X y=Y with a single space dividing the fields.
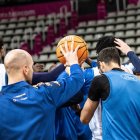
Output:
x=105 y=42
x=108 y=55
x=1 y=43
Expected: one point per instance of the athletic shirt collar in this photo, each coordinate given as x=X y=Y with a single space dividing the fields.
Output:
x=14 y=87
x=119 y=69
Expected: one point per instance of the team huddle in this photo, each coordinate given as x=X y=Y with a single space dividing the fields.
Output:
x=70 y=102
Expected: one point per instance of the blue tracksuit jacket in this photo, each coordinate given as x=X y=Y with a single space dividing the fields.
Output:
x=28 y=113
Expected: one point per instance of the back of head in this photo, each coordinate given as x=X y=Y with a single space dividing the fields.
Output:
x=18 y=64
x=109 y=55
x=105 y=42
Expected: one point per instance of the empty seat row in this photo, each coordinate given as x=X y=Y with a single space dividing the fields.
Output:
x=26 y=25
x=23 y=31
x=124 y=13
x=130 y=19
x=120 y=27
x=50 y=16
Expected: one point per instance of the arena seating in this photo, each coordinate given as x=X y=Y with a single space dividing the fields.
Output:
x=124 y=25
x=26 y=27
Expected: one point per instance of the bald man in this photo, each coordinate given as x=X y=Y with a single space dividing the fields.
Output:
x=26 y=112
x=18 y=64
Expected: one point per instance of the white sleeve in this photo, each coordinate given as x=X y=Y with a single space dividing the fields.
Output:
x=96 y=124
x=2 y=76
x=128 y=68
x=96 y=71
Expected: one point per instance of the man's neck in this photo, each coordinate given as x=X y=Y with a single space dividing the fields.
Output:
x=113 y=65
x=15 y=80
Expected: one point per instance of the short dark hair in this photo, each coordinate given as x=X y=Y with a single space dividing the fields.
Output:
x=108 y=55
x=105 y=42
x=1 y=43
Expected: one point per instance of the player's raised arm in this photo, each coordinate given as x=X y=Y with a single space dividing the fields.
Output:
x=124 y=48
x=47 y=76
x=64 y=89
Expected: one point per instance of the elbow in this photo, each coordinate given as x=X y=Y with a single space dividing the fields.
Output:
x=84 y=120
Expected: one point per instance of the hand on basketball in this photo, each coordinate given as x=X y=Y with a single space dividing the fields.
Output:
x=71 y=42
x=122 y=46
x=70 y=54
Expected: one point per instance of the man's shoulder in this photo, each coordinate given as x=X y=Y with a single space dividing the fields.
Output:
x=100 y=79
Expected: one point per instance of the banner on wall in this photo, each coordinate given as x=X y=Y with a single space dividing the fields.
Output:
x=33 y=9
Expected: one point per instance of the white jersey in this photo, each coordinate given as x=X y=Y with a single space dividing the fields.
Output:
x=2 y=76
x=128 y=68
x=96 y=122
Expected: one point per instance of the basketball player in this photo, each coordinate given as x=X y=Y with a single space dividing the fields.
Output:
x=120 y=100
x=37 y=76
x=105 y=42
x=124 y=48
x=69 y=119
x=27 y=112
x=109 y=41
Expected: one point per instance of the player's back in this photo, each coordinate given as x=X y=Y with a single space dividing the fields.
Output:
x=120 y=111
x=29 y=113
x=26 y=113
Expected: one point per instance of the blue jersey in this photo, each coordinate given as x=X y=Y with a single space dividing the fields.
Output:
x=67 y=118
x=83 y=130
x=65 y=125
x=28 y=113
x=121 y=110
x=88 y=76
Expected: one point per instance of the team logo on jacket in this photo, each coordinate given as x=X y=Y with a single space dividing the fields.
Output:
x=56 y=83
x=129 y=77
x=53 y=83
x=20 y=97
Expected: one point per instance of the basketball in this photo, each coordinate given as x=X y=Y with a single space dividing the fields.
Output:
x=82 y=52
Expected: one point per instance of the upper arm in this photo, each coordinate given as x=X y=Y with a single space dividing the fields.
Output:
x=88 y=110
x=134 y=60
x=64 y=89
x=95 y=89
x=47 y=76
x=99 y=88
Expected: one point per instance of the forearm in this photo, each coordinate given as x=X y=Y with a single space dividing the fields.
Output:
x=47 y=76
x=134 y=60
x=88 y=111
x=70 y=86
x=91 y=63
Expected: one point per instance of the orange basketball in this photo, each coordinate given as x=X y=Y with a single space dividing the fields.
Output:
x=82 y=52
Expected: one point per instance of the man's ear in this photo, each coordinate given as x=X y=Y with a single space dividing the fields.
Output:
x=102 y=63
x=25 y=70
x=102 y=66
